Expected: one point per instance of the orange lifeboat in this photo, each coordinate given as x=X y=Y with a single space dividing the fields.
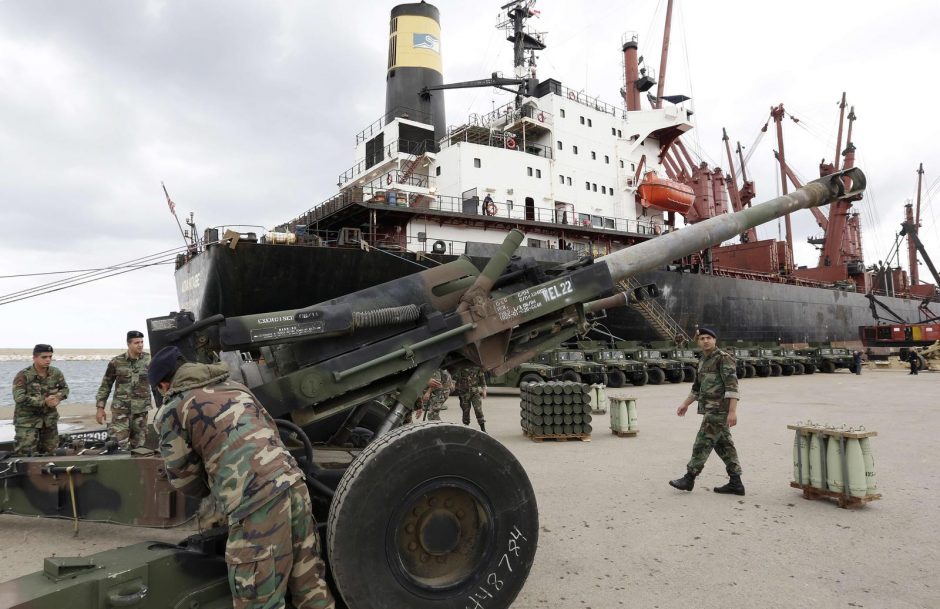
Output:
x=665 y=194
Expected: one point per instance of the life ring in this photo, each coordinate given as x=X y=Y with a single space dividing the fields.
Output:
x=572 y=95
x=491 y=209
x=511 y=143
x=388 y=179
x=541 y=117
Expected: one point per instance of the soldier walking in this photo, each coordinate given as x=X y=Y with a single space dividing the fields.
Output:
x=470 y=387
x=37 y=392
x=716 y=390
x=440 y=386
x=127 y=372
x=217 y=439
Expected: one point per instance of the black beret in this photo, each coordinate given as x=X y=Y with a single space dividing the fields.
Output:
x=134 y=334
x=42 y=348
x=164 y=364
x=708 y=331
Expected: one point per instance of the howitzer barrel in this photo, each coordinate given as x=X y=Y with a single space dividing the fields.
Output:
x=666 y=248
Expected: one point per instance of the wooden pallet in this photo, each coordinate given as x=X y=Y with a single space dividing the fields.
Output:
x=833 y=432
x=845 y=502
x=583 y=437
x=625 y=434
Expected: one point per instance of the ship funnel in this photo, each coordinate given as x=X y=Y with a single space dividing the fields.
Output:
x=414 y=62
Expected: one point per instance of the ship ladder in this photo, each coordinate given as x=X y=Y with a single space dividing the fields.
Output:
x=420 y=155
x=657 y=317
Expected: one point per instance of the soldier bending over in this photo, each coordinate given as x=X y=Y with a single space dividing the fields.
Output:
x=216 y=438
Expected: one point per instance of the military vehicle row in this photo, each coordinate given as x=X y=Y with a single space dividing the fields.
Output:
x=639 y=364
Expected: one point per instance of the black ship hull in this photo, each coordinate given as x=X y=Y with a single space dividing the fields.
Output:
x=259 y=278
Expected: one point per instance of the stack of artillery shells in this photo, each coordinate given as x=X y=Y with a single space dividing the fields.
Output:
x=555 y=408
x=834 y=462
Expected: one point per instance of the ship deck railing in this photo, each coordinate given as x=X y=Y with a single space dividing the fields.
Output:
x=496 y=138
x=398 y=112
x=410 y=148
x=384 y=192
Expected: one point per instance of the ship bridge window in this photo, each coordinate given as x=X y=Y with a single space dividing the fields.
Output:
x=582 y=120
x=594 y=186
x=619 y=133
x=561 y=179
x=561 y=146
x=562 y=112
x=569 y=181
x=590 y=124
x=477 y=163
x=613 y=131
x=621 y=164
x=587 y=186
x=529 y=171
x=437 y=171
x=574 y=149
x=603 y=190
x=610 y=189
x=538 y=173
x=606 y=160
x=593 y=156
x=609 y=223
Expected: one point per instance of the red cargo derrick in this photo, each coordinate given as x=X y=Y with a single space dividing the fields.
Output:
x=665 y=194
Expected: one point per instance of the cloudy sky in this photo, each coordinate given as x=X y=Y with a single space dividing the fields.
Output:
x=247 y=110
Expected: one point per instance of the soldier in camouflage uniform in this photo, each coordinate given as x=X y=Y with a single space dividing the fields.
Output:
x=470 y=387
x=716 y=390
x=37 y=392
x=439 y=387
x=128 y=374
x=216 y=438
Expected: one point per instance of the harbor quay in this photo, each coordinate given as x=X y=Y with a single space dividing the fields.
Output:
x=612 y=533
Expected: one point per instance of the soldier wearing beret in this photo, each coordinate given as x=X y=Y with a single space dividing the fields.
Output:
x=716 y=390
x=127 y=373
x=217 y=439
x=37 y=392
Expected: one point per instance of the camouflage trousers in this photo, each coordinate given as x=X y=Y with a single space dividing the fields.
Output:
x=275 y=549
x=714 y=434
x=474 y=400
x=128 y=428
x=435 y=406
x=36 y=434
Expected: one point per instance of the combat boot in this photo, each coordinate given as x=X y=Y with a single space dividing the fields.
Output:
x=685 y=483
x=734 y=487
x=482 y=426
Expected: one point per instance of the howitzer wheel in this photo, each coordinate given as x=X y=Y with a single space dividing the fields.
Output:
x=616 y=378
x=429 y=515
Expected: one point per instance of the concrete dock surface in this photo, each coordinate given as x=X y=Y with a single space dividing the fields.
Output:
x=614 y=534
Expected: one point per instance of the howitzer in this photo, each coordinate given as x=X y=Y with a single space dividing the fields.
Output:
x=429 y=515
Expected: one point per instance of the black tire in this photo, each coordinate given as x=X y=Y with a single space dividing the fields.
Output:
x=571 y=376
x=776 y=370
x=798 y=368
x=749 y=371
x=531 y=377
x=740 y=372
x=827 y=367
x=640 y=378
x=428 y=515
x=616 y=378
x=809 y=368
x=656 y=376
x=688 y=374
x=598 y=378
x=675 y=376
x=786 y=370
x=763 y=371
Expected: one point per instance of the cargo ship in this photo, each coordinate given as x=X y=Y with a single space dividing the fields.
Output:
x=579 y=176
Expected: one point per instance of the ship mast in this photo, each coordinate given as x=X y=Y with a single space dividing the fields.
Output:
x=665 y=55
x=777 y=114
x=915 y=224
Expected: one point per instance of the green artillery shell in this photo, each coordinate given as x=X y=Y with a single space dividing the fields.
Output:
x=567 y=419
x=858 y=487
x=870 y=479
x=568 y=408
x=585 y=428
x=631 y=414
x=815 y=461
x=834 y=465
x=568 y=430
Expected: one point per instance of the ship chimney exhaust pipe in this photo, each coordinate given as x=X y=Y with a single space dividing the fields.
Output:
x=414 y=62
x=631 y=94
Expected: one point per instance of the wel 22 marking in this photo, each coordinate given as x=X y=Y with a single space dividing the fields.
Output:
x=492 y=579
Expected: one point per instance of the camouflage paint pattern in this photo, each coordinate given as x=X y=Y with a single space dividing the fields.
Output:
x=469 y=385
x=37 y=431
x=132 y=398
x=266 y=558
x=716 y=383
x=123 y=488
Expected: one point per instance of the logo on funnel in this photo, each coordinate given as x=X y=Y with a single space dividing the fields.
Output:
x=426 y=41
